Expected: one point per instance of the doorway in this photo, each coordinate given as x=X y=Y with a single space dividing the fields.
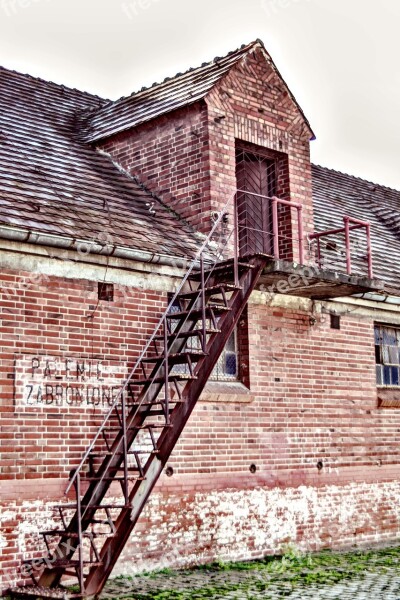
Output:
x=256 y=176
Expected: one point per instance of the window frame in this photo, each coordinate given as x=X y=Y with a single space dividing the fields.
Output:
x=385 y=358
x=241 y=351
x=224 y=376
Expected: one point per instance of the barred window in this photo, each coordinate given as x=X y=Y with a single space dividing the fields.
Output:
x=227 y=367
x=387 y=355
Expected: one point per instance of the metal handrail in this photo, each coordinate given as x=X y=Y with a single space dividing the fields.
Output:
x=165 y=363
x=275 y=202
x=121 y=392
x=346 y=229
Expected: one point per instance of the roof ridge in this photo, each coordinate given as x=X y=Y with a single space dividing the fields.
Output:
x=175 y=92
x=181 y=74
x=53 y=83
x=374 y=183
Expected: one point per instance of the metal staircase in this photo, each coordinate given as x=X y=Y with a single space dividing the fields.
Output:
x=122 y=464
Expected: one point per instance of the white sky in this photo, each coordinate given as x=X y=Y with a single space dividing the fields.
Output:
x=340 y=58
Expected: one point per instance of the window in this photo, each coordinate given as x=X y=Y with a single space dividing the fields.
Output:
x=387 y=355
x=227 y=367
x=105 y=291
x=335 y=321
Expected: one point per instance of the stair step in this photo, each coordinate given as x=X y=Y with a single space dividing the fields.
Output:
x=101 y=522
x=171 y=377
x=187 y=334
x=158 y=412
x=116 y=478
x=144 y=426
x=158 y=402
x=130 y=453
x=61 y=563
x=176 y=359
x=36 y=591
x=220 y=268
x=151 y=413
x=95 y=506
x=197 y=314
x=210 y=291
x=70 y=534
x=152 y=426
x=131 y=468
x=135 y=427
x=109 y=506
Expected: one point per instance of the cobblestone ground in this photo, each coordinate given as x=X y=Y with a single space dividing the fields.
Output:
x=372 y=575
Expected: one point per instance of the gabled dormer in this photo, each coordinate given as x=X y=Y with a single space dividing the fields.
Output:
x=195 y=138
x=230 y=135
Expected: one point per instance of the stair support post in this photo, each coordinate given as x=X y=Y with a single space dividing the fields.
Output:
x=203 y=305
x=125 y=447
x=166 y=373
x=80 y=537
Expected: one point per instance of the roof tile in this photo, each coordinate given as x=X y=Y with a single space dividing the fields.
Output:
x=51 y=181
x=336 y=195
x=173 y=93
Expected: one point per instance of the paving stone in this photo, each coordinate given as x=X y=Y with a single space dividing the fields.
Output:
x=371 y=586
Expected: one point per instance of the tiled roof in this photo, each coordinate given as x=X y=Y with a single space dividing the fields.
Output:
x=52 y=182
x=174 y=92
x=337 y=195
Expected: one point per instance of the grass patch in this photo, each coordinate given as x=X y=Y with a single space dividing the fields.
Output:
x=288 y=572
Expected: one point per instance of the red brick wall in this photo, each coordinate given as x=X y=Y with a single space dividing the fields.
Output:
x=61 y=317
x=39 y=445
x=242 y=522
x=314 y=401
x=170 y=156
x=327 y=459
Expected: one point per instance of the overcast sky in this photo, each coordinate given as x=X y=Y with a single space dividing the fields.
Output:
x=340 y=58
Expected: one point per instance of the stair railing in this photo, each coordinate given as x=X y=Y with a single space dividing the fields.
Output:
x=205 y=249
x=349 y=224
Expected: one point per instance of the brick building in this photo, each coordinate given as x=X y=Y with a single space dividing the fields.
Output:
x=289 y=359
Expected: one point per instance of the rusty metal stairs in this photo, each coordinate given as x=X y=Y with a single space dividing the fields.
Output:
x=124 y=461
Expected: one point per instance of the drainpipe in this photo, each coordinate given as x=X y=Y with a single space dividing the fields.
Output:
x=382 y=298
x=69 y=243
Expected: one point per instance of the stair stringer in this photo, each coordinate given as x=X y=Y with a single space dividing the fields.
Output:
x=128 y=517
x=129 y=514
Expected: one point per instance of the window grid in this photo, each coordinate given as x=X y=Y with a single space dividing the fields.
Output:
x=227 y=368
x=387 y=355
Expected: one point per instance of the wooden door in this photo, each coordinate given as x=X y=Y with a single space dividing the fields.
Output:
x=255 y=174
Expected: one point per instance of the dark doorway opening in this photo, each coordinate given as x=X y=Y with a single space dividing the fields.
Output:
x=256 y=175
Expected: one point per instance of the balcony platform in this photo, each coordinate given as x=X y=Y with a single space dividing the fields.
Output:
x=284 y=277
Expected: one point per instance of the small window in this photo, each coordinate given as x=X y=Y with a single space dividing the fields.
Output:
x=387 y=355
x=105 y=291
x=335 y=321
